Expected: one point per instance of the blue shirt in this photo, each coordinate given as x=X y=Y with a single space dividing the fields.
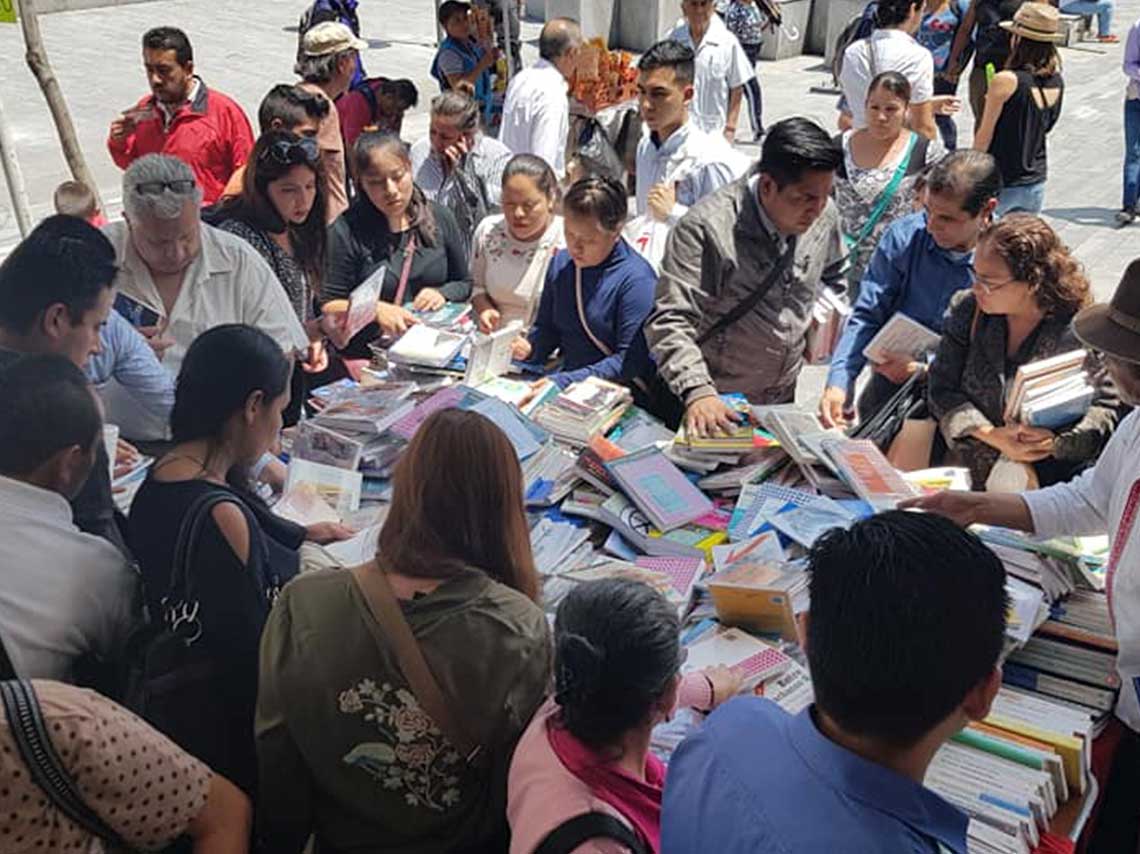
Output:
x=126 y=358
x=937 y=32
x=755 y=778
x=617 y=296
x=910 y=273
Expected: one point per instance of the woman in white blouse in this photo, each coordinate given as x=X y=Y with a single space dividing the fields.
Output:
x=511 y=250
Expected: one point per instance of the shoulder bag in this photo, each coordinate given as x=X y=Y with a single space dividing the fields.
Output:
x=883 y=202
x=396 y=634
x=572 y=833
x=26 y=723
x=170 y=682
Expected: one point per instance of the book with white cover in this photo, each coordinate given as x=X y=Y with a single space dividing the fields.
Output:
x=902 y=335
x=490 y=355
x=755 y=660
x=338 y=487
x=425 y=345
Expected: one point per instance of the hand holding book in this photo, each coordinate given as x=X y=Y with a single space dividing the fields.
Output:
x=709 y=416
x=1017 y=442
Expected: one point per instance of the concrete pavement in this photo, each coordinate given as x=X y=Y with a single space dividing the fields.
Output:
x=242 y=48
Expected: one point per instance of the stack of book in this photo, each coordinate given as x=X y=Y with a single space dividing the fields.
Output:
x=862 y=466
x=584 y=410
x=366 y=410
x=1050 y=393
x=692 y=540
x=428 y=349
x=659 y=489
x=1083 y=617
x=1065 y=670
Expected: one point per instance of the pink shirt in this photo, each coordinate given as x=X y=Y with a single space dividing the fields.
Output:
x=542 y=793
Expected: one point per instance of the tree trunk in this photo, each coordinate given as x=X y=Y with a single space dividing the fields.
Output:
x=37 y=60
x=14 y=177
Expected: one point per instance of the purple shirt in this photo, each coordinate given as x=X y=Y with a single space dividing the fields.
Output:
x=1132 y=61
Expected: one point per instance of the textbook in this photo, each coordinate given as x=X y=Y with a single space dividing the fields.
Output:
x=788 y=422
x=659 y=489
x=864 y=468
x=591 y=464
x=321 y=445
x=754 y=468
x=304 y=505
x=526 y=436
x=638 y=429
x=1047 y=388
x=687 y=541
x=683 y=572
x=739 y=438
x=448 y=397
x=757 y=503
x=584 y=410
x=753 y=659
x=902 y=335
x=426 y=345
x=367 y=410
x=490 y=355
x=362 y=303
x=338 y=488
x=808 y=523
x=761 y=595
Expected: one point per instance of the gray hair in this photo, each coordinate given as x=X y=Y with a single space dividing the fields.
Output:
x=168 y=203
x=458 y=106
x=320 y=69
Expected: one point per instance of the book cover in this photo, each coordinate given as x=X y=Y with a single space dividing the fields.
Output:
x=320 y=445
x=362 y=303
x=757 y=503
x=426 y=345
x=340 y=489
x=683 y=572
x=902 y=335
x=758 y=595
x=807 y=524
x=755 y=660
x=490 y=355
x=865 y=469
x=659 y=489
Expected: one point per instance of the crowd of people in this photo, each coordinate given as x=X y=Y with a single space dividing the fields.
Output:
x=421 y=701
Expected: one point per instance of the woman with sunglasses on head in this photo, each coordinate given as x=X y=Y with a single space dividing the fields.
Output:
x=279 y=213
x=1026 y=290
x=617 y=674
x=391 y=224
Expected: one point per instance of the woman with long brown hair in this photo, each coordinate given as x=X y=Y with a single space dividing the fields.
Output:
x=351 y=745
x=1027 y=288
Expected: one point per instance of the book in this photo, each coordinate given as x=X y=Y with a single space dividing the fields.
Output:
x=751 y=657
x=321 y=445
x=808 y=523
x=367 y=410
x=362 y=303
x=426 y=345
x=902 y=335
x=356 y=550
x=757 y=467
x=338 y=488
x=448 y=397
x=638 y=429
x=761 y=549
x=591 y=464
x=682 y=572
x=659 y=489
x=757 y=503
x=1042 y=373
x=865 y=469
x=525 y=436
x=304 y=505
x=659 y=581
x=761 y=595
x=583 y=410
x=490 y=355
x=787 y=423
x=1060 y=409
x=738 y=438
x=688 y=541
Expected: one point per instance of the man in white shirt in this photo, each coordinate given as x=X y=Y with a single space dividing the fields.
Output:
x=536 y=113
x=677 y=163
x=890 y=48
x=1103 y=499
x=192 y=276
x=722 y=68
x=69 y=599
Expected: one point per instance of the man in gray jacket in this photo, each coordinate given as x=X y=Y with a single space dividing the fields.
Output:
x=740 y=275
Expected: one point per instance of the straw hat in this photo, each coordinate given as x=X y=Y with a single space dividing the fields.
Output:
x=1037 y=22
x=1114 y=328
x=330 y=37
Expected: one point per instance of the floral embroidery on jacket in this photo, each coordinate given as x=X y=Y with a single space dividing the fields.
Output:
x=413 y=754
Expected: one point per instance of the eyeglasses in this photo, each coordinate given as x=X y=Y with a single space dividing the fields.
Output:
x=292 y=152
x=989 y=287
x=153 y=188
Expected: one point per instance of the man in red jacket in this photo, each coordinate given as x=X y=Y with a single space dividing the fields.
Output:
x=182 y=118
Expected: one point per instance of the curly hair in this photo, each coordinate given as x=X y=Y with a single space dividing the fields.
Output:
x=1035 y=255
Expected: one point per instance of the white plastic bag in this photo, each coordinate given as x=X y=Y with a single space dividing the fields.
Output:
x=647 y=236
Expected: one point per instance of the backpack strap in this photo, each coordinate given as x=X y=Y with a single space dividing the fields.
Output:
x=26 y=723
x=7 y=669
x=753 y=299
x=565 y=838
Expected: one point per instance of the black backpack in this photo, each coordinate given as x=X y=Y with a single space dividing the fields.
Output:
x=859 y=28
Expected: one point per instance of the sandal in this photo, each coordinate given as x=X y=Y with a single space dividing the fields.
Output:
x=1109 y=39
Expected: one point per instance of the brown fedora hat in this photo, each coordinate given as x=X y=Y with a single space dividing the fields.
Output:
x=1114 y=328
x=1037 y=22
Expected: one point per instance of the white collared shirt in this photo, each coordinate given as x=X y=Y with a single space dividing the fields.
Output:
x=536 y=115
x=698 y=163
x=64 y=593
x=1095 y=503
x=722 y=65
x=893 y=50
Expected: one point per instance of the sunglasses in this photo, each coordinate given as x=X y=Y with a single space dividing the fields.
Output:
x=154 y=188
x=292 y=152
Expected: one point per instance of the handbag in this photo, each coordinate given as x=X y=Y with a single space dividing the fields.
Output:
x=373 y=585
x=26 y=723
x=572 y=833
x=171 y=675
x=882 y=427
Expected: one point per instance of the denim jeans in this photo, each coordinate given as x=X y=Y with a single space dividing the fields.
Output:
x=1131 y=153
x=1029 y=198
x=1101 y=8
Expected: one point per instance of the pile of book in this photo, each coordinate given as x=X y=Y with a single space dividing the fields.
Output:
x=584 y=410
x=1050 y=393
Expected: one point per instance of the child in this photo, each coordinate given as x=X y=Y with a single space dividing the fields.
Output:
x=74 y=198
x=747 y=22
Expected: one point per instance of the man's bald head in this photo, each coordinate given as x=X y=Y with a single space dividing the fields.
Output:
x=559 y=39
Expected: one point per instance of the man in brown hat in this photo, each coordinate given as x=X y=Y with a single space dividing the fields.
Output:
x=1103 y=499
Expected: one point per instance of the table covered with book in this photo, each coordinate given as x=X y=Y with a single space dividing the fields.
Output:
x=721 y=527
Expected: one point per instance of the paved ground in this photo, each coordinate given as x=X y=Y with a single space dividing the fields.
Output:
x=243 y=48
